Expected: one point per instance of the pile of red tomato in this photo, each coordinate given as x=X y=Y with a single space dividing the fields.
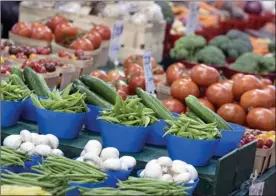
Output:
x=243 y=99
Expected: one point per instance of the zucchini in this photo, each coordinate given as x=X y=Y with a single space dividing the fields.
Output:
x=36 y=82
x=17 y=71
x=100 y=87
x=92 y=98
x=155 y=104
x=78 y=82
x=205 y=113
x=16 y=80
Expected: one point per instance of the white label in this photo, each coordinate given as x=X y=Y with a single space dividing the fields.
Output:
x=150 y=86
x=192 y=17
x=115 y=42
x=256 y=189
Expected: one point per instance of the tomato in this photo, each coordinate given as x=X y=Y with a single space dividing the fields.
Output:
x=270 y=89
x=82 y=43
x=115 y=75
x=158 y=70
x=131 y=59
x=261 y=118
x=182 y=88
x=174 y=105
x=176 y=71
x=103 y=30
x=54 y=21
x=232 y=112
x=256 y=98
x=237 y=76
x=121 y=85
x=227 y=83
x=42 y=32
x=95 y=39
x=206 y=103
x=245 y=83
x=65 y=33
x=157 y=78
x=134 y=68
x=22 y=29
x=99 y=74
x=218 y=94
x=204 y=75
x=273 y=110
x=136 y=82
x=122 y=94
x=265 y=82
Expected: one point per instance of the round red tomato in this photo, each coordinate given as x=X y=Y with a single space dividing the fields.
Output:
x=206 y=103
x=134 y=69
x=131 y=59
x=83 y=44
x=236 y=76
x=42 y=32
x=99 y=74
x=158 y=70
x=115 y=75
x=121 y=85
x=204 y=75
x=182 y=88
x=136 y=82
x=174 y=105
x=54 y=21
x=218 y=94
x=65 y=33
x=227 y=83
x=22 y=29
x=261 y=118
x=266 y=82
x=95 y=38
x=232 y=112
x=176 y=71
x=103 y=30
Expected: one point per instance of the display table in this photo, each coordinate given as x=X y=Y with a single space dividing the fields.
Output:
x=221 y=177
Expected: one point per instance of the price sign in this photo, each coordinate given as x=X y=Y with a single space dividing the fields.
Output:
x=192 y=17
x=256 y=189
x=150 y=86
x=115 y=42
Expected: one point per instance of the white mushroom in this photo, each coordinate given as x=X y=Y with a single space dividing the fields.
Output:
x=109 y=152
x=90 y=156
x=26 y=136
x=183 y=177
x=12 y=141
x=191 y=169
x=153 y=171
x=93 y=146
x=129 y=161
x=167 y=177
x=57 y=152
x=112 y=164
x=178 y=167
x=41 y=139
x=43 y=150
x=26 y=147
x=52 y=141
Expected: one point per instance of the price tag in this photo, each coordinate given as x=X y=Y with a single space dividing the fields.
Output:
x=192 y=17
x=256 y=189
x=115 y=42
x=150 y=86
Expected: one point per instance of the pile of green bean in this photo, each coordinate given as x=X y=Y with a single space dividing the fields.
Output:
x=10 y=92
x=76 y=171
x=130 y=112
x=190 y=126
x=62 y=101
x=108 y=191
x=55 y=186
x=11 y=157
x=153 y=186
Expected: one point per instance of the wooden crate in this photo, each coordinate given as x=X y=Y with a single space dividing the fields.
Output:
x=262 y=159
x=163 y=90
x=272 y=160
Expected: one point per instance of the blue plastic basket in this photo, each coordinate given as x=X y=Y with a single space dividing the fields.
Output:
x=62 y=125
x=91 y=118
x=124 y=138
x=230 y=139
x=120 y=175
x=10 y=112
x=192 y=151
x=29 y=111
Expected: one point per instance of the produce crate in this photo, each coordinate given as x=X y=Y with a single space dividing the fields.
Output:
x=163 y=90
x=20 y=40
x=263 y=158
x=272 y=160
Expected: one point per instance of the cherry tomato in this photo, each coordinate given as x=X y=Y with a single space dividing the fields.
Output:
x=218 y=94
x=176 y=71
x=182 y=88
x=99 y=74
x=232 y=112
x=134 y=68
x=121 y=85
x=65 y=33
x=22 y=29
x=115 y=75
x=174 y=105
x=42 y=33
x=54 y=21
x=103 y=30
x=79 y=53
x=136 y=82
x=261 y=118
x=95 y=39
x=204 y=75
x=83 y=44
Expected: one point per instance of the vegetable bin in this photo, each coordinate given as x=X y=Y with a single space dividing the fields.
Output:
x=29 y=111
x=230 y=139
x=91 y=118
x=124 y=138
x=192 y=151
x=10 y=112
x=62 y=125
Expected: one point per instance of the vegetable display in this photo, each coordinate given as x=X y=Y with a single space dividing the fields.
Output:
x=18 y=190
x=211 y=55
x=130 y=112
x=11 y=157
x=109 y=191
x=11 y=92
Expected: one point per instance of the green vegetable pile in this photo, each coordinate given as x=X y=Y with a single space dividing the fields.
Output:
x=272 y=47
x=130 y=112
x=62 y=101
x=11 y=157
x=254 y=63
x=211 y=55
x=233 y=44
x=109 y=191
x=11 y=92
x=59 y=167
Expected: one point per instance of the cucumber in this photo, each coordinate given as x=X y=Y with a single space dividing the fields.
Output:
x=155 y=104
x=205 y=113
x=92 y=98
x=78 y=82
x=16 y=80
x=36 y=82
x=17 y=71
x=100 y=87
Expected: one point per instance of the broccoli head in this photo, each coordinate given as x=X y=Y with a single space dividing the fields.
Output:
x=178 y=53
x=272 y=47
x=267 y=65
x=248 y=62
x=219 y=41
x=211 y=55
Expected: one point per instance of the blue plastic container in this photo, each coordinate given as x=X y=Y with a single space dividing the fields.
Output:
x=120 y=175
x=155 y=136
x=191 y=151
x=91 y=118
x=230 y=139
x=124 y=138
x=192 y=185
x=62 y=125
x=29 y=111
x=10 y=112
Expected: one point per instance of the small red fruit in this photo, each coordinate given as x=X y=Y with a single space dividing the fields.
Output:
x=260 y=143
x=269 y=143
